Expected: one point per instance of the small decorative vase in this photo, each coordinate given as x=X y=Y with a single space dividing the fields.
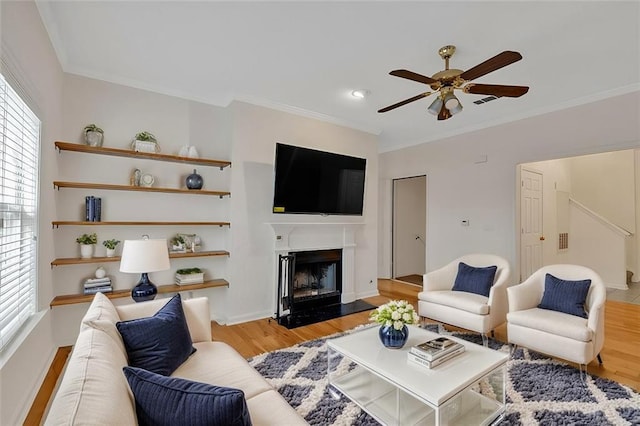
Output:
x=111 y=252
x=392 y=338
x=194 y=181
x=100 y=272
x=86 y=251
x=93 y=138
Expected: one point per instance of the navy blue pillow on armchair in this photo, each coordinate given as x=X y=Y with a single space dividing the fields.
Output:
x=474 y=280
x=160 y=343
x=174 y=401
x=565 y=296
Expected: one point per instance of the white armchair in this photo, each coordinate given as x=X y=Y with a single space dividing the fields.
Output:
x=462 y=309
x=552 y=332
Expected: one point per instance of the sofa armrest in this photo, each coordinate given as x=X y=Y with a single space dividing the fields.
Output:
x=440 y=279
x=526 y=295
x=196 y=311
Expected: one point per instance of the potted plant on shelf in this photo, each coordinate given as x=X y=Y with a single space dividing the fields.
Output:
x=189 y=276
x=178 y=244
x=93 y=135
x=87 y=241
x=111 y=247
x=145 y=142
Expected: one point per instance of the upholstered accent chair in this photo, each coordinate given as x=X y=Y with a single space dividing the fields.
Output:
x=559 y=311
x=469 y=292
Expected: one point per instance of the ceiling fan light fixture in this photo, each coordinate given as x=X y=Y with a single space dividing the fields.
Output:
x=435 y=106
x=455 y=109
x=450 y=101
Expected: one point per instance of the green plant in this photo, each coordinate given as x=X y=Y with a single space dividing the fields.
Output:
x=396 y=313
x=92 y=128
x=189 y=271
x=177 y=240
x=87 y=239
x=111 y=244
x=145 y=136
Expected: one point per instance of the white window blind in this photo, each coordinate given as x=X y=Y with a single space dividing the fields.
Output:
x=19 y=142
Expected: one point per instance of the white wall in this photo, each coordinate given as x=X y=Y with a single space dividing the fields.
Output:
x=255 y=133
x=485 y=193
x=606 y=184
x=26 y=48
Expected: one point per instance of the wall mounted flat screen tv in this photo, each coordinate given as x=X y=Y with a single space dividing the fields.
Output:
x=317 y=182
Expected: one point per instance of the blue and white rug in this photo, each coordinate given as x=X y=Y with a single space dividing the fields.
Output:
x=540 y=390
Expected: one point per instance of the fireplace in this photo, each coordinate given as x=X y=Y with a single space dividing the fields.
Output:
x=308 y=281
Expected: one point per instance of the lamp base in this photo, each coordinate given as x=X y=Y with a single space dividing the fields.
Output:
x=144 y=290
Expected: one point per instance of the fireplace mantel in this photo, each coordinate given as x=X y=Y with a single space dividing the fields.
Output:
x=286 y=233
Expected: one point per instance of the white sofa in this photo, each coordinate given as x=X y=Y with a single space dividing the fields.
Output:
x=94 y=389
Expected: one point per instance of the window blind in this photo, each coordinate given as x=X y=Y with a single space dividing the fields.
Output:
x=19 y=152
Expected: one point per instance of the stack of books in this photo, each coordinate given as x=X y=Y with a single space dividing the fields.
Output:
x=434 y=352
x=95 y=285
x=191 y=278
x=93 y=209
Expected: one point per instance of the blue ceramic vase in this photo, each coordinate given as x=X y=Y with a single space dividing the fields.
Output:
x=392 y=338
x=194 y=181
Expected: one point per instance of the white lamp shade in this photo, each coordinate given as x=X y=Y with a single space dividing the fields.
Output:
x=141 y=256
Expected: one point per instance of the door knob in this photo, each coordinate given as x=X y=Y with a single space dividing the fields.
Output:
x=541 y=237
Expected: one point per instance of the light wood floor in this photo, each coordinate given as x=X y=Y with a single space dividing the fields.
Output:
x=621 y=353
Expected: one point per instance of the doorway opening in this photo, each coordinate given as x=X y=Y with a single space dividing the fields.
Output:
x=408 y=252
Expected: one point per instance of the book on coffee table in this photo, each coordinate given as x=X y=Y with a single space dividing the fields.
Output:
x=418 y=360
x=435 y=348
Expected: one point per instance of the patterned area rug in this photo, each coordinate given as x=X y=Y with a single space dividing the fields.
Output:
x=540 y=390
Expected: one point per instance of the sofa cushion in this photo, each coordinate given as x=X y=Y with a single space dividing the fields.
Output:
x=172 y=401
x=237 y=373
x=473 y=279
x=159 y=343
x=565 y=296
x=552 y=322
x=469 y=302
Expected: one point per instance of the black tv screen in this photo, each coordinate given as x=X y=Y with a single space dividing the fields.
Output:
x=317 y=182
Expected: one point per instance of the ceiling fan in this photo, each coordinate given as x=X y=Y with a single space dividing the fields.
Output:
x=445 y=82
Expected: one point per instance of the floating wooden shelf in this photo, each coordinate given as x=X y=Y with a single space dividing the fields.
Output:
x=70 y=299
x=57 y=223
x=80 y=260
x=67 y=146
x=85 y=185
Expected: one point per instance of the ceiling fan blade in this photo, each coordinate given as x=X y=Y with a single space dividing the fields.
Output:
x=500 y=60
x=496 y=90
x=406 y=101
x=410 y=75
x=444 y=113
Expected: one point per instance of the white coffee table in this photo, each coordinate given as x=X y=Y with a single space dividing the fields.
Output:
x=466 y=390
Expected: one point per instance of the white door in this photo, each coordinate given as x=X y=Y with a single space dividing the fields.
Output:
x=531 y=236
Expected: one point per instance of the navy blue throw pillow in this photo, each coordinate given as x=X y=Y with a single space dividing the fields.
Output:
x=474 y=280
x=173 y=401
x=160 y=343
x=565 y=296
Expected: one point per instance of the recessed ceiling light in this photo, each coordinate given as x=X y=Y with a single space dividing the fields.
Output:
x=360 y=93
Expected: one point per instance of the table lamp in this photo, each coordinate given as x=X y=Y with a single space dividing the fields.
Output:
x=144 y=256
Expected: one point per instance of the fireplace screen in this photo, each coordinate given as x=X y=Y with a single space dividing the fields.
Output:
x=309 y=280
